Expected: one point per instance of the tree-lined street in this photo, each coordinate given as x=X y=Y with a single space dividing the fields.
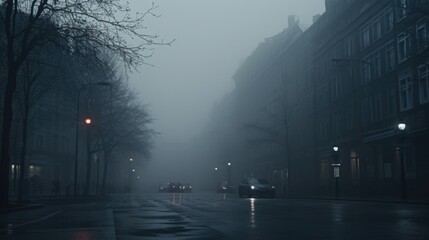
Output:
x=218 y=216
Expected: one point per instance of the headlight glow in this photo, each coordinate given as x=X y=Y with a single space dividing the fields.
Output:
x=252 y=187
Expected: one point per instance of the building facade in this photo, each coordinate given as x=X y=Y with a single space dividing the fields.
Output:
x=346 y=81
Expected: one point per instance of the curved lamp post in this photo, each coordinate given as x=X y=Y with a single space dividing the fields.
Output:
x=336 y=165
x=401 y=127
x=77 y=128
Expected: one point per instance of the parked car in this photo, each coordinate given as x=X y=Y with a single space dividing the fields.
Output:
x=256 y=187
x=225 y=187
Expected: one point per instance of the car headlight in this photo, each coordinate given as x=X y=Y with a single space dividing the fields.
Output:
x=273 y=187
x=252 y=187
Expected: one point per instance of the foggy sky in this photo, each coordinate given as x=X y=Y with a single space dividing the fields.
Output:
x=213 y=37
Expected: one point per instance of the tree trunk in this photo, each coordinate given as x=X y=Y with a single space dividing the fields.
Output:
x=5 y=134
x=88 y=163
x=106 y=161
x=24 y=149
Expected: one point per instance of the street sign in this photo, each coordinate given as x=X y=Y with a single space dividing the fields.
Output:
x=336 y=169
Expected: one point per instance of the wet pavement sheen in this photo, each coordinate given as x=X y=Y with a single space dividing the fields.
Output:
x=218 y=216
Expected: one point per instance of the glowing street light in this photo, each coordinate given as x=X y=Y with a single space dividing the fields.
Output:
x=88 y=121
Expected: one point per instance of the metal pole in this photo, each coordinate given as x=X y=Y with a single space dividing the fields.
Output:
x=403 y=184
x=76 y=141
x=337 y=187
x=77 y=130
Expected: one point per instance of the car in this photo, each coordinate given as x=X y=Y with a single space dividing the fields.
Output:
x=170 y=187
x=225 y=187
x=251 y=187
x=163 y=188
x=186 y=188
x=174 y=187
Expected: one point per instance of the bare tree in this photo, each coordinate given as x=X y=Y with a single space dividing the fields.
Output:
x=82 y=26
x=273 y=131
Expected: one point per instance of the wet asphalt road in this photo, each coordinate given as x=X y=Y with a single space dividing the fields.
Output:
x=217 y=216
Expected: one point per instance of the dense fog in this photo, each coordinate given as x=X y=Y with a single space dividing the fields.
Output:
x=212 y=39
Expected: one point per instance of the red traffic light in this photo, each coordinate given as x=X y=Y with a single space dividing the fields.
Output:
x=88 y=121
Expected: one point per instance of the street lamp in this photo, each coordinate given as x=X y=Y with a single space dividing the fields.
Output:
x=77 y=128
x=229 y=173
x=216 y=182
x=401 y=127
x=336 y=165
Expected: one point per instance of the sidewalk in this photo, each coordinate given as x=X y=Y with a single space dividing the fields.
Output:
x=40 y=201
x=380 y=199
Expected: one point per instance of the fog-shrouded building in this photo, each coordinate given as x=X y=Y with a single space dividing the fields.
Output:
x=347 y=81
x=371 y=74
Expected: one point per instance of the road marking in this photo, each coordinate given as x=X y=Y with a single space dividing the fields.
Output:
x=11 y=226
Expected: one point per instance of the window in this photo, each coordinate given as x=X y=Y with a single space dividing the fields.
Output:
x=376 y=65
x=403 y=46
x=366 y=71
x=349 y=80
x=390 y=56
x=405 y=91
x=388 y=16
x=377 y=107
x=354 y=164
x=372 y=108
x=421 y=34
x=377 y=28
x=366 y=110
x=348 y=47
x=391 y=102
x=336 y=123
x=336 y=86
x=350 y=117
x=424 y=83
x=365 y=36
